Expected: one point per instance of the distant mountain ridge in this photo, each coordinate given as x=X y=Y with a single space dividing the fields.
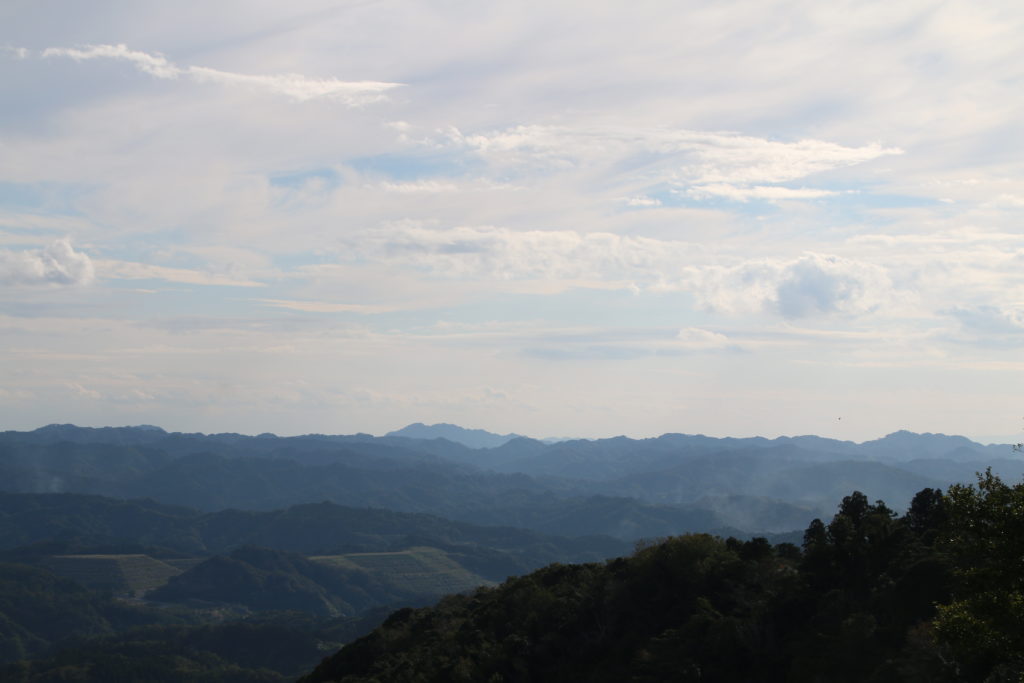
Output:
x=624 y=487
x=471 y=438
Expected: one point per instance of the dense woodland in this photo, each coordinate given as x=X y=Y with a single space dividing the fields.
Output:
x=107 y=575
x=933 y=595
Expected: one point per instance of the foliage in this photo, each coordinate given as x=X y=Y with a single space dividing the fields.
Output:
x=984 y=625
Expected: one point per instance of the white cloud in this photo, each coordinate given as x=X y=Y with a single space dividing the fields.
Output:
x=155 y=65
x=810 y=285
x=720 y=163
x=742 y=194
x=57 y=264
x=699 y=339
x=295 y=86
x=641 y=200
x=298 y=87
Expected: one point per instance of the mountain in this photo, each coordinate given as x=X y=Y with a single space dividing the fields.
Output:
x=231 y=471
x=851 y=607
x=557 y=488
x=472 y=438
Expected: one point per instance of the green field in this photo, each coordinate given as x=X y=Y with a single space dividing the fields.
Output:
x=427 y=571
x=122 y=574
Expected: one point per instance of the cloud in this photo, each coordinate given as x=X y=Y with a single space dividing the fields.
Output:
x=424 y=186
x=809 y=285
x=641 y=200
x=696 y=338
x=127 y=270
x=502 y=254
x=990 y=320
x=813 y=284
x=742 y=194
x=84 y=392
x=706 y=163
x=154 y=65
x=57 y=264
x=295 y=86
x=16 y=52
x=325 y=306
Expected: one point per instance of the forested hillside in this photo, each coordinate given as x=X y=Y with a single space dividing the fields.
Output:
x=932 y=595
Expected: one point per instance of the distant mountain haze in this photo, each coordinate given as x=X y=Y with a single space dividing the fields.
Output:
x=621 y=487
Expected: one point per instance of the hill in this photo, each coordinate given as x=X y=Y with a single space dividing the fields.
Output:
x=421 y=571
x=36 y=526
x=132 y=574
x=260 y=579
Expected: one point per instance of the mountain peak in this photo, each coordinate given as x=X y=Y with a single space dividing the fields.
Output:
x=472 y=438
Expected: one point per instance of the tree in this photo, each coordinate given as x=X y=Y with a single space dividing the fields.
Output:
x=984 y=624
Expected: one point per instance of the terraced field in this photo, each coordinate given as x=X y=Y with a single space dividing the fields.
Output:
x=427 y=571
x=123 y=574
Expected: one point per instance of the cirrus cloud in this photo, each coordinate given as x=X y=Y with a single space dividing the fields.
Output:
x=295 y=86
x=706 y=163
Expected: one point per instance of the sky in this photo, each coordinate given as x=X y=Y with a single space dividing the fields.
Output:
x=555 y=218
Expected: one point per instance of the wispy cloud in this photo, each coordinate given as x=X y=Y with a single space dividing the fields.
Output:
x=325 y=306
x=16 y=52
x=58 y=264
x=706 y=163
x=743 y=194
x=127 y=270
x=502 y=254
x=295 y=86
x=154 y=65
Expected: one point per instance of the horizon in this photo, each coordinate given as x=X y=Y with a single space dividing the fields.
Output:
x=549 y=218
x=1008 y=442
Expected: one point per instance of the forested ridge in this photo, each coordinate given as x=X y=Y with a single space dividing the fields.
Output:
x=932 y=595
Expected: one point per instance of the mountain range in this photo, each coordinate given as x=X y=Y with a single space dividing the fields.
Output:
x=248 y=557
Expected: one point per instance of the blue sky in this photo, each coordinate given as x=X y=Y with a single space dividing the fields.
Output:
x=568 y=218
